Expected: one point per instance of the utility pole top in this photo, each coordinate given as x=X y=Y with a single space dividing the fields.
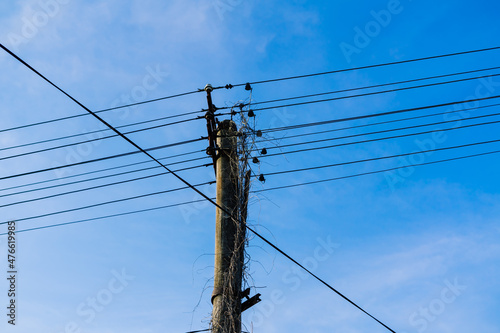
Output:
x=227 y=125
x=211 y=126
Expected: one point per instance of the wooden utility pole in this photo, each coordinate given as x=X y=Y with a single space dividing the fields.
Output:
x=229 y=235
x=233 y=186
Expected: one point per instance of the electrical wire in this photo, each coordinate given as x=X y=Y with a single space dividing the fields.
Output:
x=281 y=138
x=375 y=86
x=151 y=101
x=99 y=111
x=163 y=118
x=92 y=132
x=194 y=188
x=363 y=95
x=375 y=124
x=361 y=67
x=242 y=84
x=279 y=250
x=97 y=187
x=99 y=178
x=103 y=121
x=107 y=169
x=86 y=141
x=372 y=115
x=376 y=139
x=394 y=129
x=271 y=189
x=382 y=158
x=306 y=134
x=378 y=171
x=89 y=161
x=92 y=140
x=308 y=183
x=107 y=216
x=107 y=203
x=380 y=114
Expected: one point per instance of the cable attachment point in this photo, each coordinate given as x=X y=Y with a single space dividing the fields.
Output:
x=251 y=113
x=263 y=151
x=262 y=178
x=229 y=86
x=209 y=88
x=211 y=151
x=258 y=133
x=255 y=160
x=248 y=86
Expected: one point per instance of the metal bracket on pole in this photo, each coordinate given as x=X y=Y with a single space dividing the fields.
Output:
x=211 y=126
x=251 y=301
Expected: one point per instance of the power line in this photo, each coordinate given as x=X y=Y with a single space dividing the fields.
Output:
x=110 y=126
x=96 y=187
x=362 y=67
x=191 y=186
x=92 y=140
x=392 y=130
x=314 y=275
x=377 y=171
x=300 y=135
x=107 y=169
x=282 y=129
x=152 y=100
x=98 y=178
x=106 y=203
x=364 y=95
x=307 y=183
x=40 y=123
x=377 y=139
x=99 y=111
x=382 y=158
x=94 y=132
x=380 y=85
x=107 y=216
x=375 y=124
x=345 y=128
x=320 y=280
x=372 y=115
x=192 y=92
x=404 y=128
x=89 y=161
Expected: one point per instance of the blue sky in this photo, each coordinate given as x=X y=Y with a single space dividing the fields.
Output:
x=417 y=247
